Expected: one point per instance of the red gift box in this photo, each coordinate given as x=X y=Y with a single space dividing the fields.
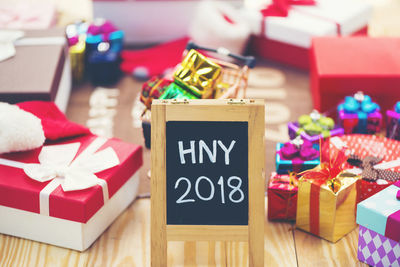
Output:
x=282 y=197
x=19 y=191
x=343 y=66
x=369 y=145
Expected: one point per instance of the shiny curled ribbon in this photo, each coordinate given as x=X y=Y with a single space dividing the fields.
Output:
x=369 y=172
x=304 y=151
x=61 y=165
x=315 y=123
x=359 y=103
x=329 y=169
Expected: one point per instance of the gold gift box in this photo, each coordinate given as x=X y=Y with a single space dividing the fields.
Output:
x=77 y=58
x=198 y=74
x=337 y=211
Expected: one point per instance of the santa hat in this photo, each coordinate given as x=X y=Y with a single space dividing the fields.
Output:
x=28 y=125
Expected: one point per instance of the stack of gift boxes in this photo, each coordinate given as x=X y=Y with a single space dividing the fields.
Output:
x=95 y=47
x=327 y=168
x=337 y=172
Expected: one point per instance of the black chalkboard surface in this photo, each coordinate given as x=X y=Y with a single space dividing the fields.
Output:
x=207 y=173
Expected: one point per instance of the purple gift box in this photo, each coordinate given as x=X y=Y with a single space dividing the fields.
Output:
x=377 y=250
x=393 y=123
x=379 y=220
x=294 y=128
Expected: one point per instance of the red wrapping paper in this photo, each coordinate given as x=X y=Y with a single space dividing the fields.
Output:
x=282 y=198
x=19 y=191
x=342 y=66
x=369 y=145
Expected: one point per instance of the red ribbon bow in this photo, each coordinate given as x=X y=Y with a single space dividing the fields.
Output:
x=280 y=8
x=330 y=167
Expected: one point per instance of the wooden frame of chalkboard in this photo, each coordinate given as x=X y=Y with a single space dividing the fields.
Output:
x=183 y=130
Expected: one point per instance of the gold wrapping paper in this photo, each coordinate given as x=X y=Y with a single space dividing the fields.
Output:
x=77 y=58
x=198 y=74
x=336 y=212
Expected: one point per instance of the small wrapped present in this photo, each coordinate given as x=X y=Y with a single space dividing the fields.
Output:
x=104 y=31
x=393 y=122
x=282 y=197
x=198 y=74
x=103 y=65
x=68 y=191
x=313 y=127
x=374 y=177
x=358 y=114
x=379 y=234
x=297 y=155
x=76 y=36
x=326 y=199
x=284 y=29
x=153 y=89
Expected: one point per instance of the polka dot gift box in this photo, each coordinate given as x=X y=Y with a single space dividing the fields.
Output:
x=379 y=234
x=385 y=152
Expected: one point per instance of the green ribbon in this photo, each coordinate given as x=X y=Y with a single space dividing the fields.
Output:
x=315 y=127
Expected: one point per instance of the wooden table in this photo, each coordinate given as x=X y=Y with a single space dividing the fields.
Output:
x=127 y=241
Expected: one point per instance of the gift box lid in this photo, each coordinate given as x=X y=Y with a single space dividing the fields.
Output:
x=19 y=191
x=357 y=57
x=34 y=73
x=381 y=212
x=326 y=18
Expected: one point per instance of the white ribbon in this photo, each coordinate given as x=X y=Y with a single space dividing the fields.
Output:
x=57 y=164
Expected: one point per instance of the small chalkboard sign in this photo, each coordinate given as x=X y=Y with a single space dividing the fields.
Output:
x=207 y=174
x=207 y=170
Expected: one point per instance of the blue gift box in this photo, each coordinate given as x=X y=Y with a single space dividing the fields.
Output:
x=284 y=166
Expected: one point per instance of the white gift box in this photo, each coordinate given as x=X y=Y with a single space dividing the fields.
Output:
x=288 y=39
x=65 y=233
x=149 y=21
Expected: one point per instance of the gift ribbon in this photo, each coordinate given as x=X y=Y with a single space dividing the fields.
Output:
x=371 y=171
x=61 y=165
x=280 y=8
x=326 y=173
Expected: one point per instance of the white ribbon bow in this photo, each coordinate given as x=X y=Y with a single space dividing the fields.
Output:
x=60 y=164
x=57 y=161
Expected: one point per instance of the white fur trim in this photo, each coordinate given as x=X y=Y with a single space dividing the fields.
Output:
x=19 y=130
x=210 y=28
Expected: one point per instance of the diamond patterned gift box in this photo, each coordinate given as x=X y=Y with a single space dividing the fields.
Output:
x=377 y=250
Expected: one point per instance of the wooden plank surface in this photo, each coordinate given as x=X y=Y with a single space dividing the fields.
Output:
x=127 y=241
